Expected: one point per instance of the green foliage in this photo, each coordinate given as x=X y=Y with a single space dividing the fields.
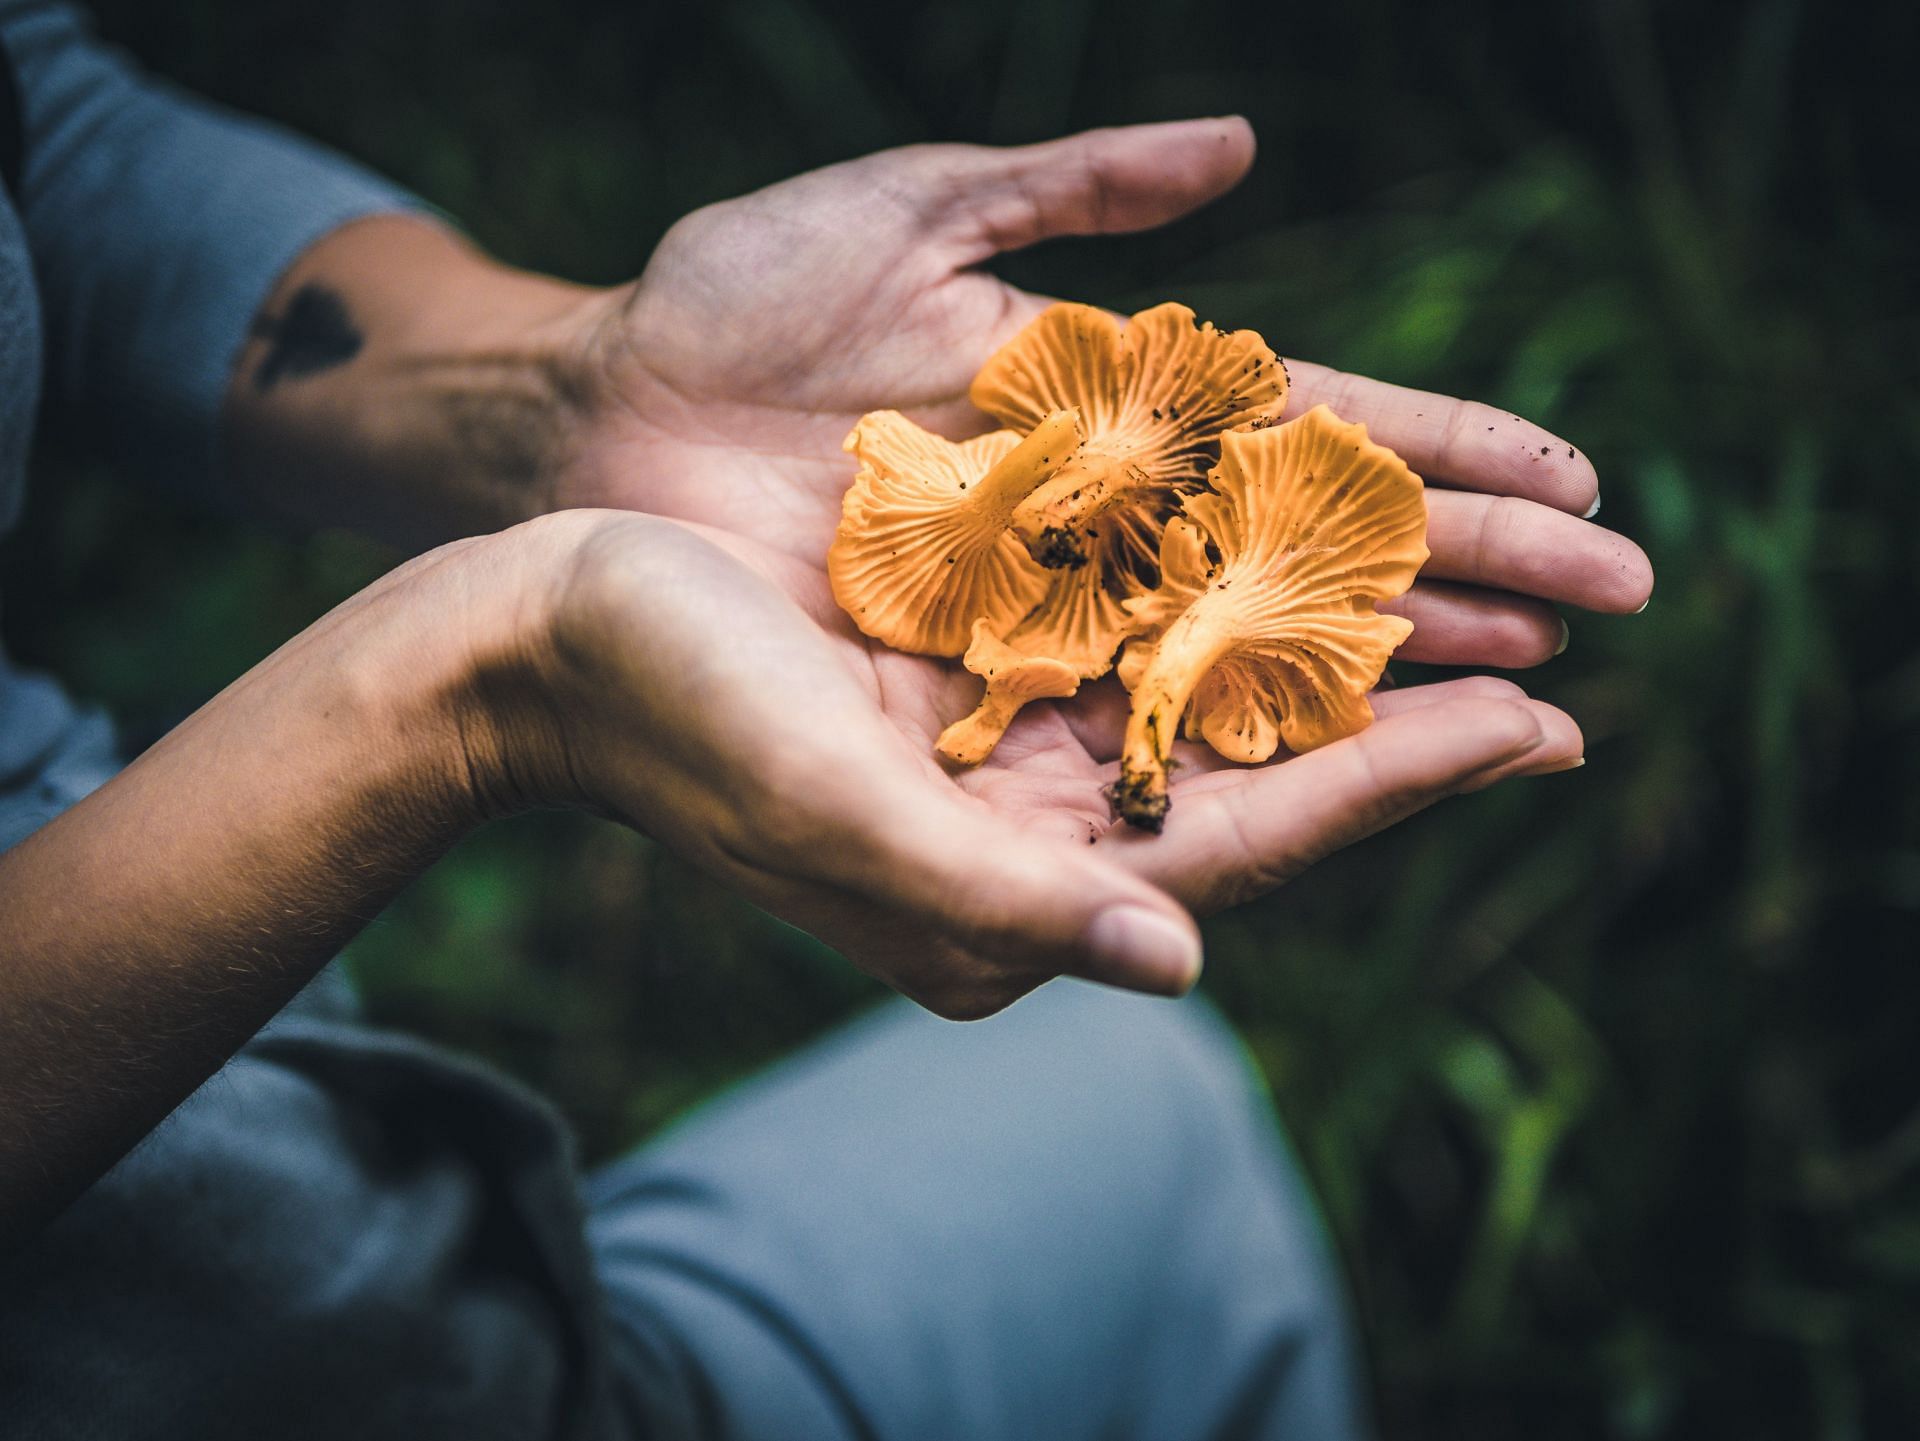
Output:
x=1608 y=1080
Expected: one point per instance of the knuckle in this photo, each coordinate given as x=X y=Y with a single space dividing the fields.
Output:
x=1497 y=552
x=1339 y=391
x=1502 y=514
x=1463 y=431
x=591 y=596
x=938 y=161
x=1513 y=725
x=1522 y=636
x=1096 y=185
x=1381 y=791
x=1489 y=687
x=1261 y=867
x=971 y=997
x=692 y=233
x=972 y=1006
x=1384 y=792
x=929 y=182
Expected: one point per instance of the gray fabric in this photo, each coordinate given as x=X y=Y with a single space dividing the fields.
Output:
x=1073 y=1221
x=51 y=752
x=156 y=224
x=9 y=125
x=19 y=350
x=346 y=1233
x=148 y=229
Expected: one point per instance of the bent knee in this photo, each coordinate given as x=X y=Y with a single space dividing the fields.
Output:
x=1180 y=1049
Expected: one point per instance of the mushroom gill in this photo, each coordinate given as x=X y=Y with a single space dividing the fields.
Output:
x=1154 y=397
x=923 y=549
x=1263 y=629
x=1079 y=624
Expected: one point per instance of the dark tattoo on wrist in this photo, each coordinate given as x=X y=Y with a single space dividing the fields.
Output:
x=314 y=333
x=511 y=416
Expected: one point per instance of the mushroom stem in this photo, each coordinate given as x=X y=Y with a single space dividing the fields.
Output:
x=971 y=739
x=998 y=493
x=1052 y=520
x=1191 y=647
x=1013 y=678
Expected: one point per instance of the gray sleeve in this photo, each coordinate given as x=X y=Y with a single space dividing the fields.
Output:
x=158 y=224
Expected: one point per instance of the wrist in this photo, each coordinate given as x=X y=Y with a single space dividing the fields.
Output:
x=475 y=654
x=403 y=381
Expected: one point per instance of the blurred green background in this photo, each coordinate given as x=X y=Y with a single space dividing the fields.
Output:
x=1610 y=1081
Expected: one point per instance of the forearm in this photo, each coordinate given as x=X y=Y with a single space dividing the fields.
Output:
x=149 y=931
x=400 y=382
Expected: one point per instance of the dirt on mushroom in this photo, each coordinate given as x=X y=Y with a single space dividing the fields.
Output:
x=1263 y=629
x=923 y=548
x=1145 y=494
x=1155 y=395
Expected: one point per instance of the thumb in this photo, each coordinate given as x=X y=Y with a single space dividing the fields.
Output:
x=1098 y=182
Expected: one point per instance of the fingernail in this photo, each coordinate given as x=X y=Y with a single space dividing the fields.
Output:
x=1592 y=510
x=1137 y=947
x=1644 y=604
x=1572 y=765
x=1565 y=635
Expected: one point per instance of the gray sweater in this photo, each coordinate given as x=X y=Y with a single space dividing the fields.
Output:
x=146 y=230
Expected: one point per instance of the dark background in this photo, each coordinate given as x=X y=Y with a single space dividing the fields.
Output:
x=1608 y=1081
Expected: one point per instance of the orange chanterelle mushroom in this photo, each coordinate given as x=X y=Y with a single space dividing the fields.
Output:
x=1153 y=396
x=1034 y=552
x=924 y=550
x=1263 y=628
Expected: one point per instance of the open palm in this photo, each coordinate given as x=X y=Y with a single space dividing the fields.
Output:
x=765 y=326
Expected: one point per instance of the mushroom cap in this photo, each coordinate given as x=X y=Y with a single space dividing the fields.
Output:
x=923 y=550
x=1155 y=393
x=1270 y=581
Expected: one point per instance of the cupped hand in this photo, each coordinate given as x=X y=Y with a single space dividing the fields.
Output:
x=705 y=688
x=764 y=327
x=803 y=769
